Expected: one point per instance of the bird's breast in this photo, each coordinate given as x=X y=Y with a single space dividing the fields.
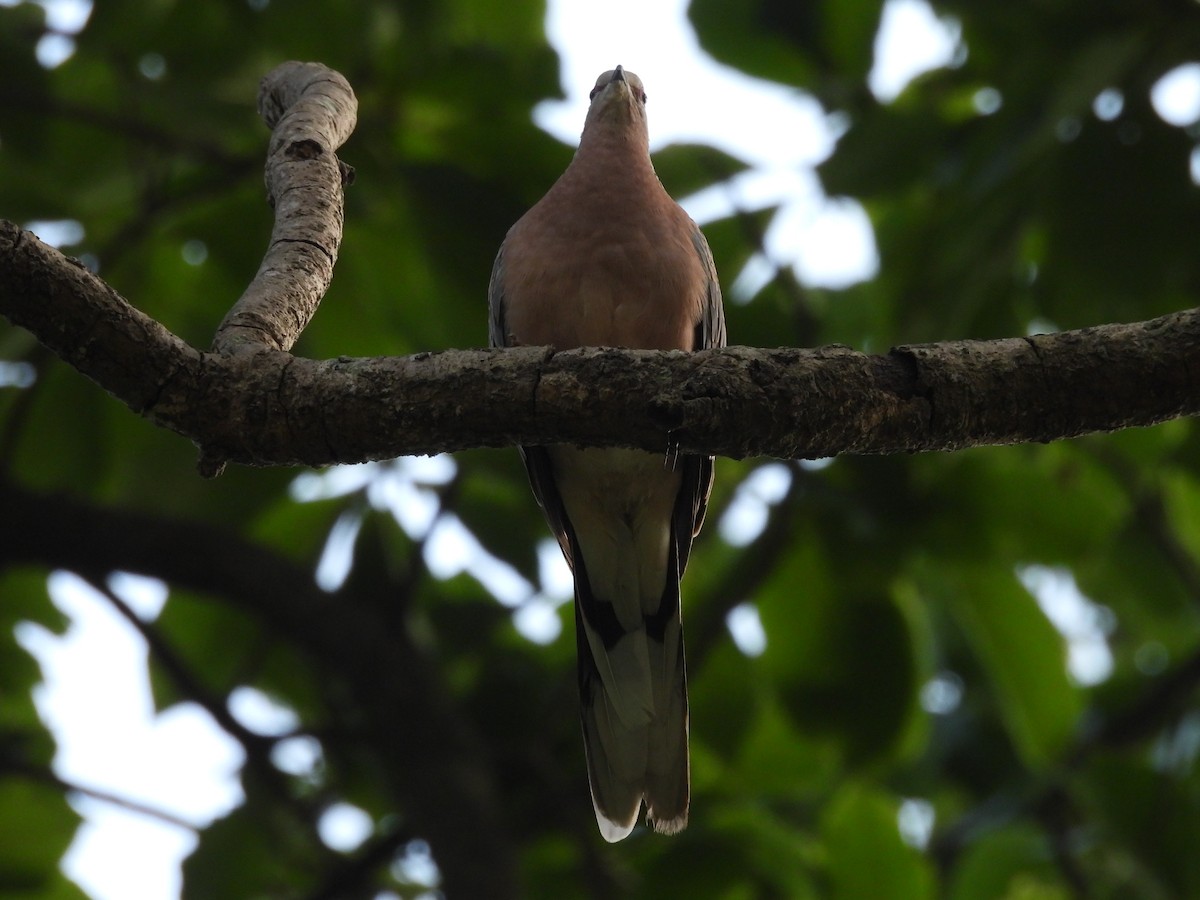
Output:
x=621 y=282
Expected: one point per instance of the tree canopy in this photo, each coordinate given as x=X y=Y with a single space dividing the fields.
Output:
x=914 y=726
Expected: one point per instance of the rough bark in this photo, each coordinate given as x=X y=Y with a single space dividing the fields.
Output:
x=311 y=110
x=266 y=407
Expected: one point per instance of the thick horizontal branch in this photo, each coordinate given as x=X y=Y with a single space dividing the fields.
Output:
x=270 y=408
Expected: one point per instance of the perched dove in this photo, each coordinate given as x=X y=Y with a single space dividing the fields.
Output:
x=607 y=258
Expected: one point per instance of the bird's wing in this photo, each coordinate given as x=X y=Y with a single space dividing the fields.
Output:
x=537 y=462
x=698 y=471
x=710 y=329
x=497 y=329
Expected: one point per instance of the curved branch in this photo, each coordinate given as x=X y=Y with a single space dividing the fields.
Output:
x=312 y=111
x=270 y=408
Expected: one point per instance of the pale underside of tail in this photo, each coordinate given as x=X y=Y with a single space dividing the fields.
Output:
x=633 y=685
x=645 y=760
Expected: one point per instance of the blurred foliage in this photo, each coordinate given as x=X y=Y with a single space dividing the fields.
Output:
x=907 y=667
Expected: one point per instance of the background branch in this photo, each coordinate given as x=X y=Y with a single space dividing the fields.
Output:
x=44 y=775
x=443 y=780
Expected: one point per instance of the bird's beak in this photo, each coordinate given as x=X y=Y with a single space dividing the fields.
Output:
x=618 y=74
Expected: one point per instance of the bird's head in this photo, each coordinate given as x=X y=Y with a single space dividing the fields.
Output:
x=618 y=99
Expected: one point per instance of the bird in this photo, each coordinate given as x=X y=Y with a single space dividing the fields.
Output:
x=607 y=258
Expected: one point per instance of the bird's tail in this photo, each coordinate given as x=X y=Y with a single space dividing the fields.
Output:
x=634 y=710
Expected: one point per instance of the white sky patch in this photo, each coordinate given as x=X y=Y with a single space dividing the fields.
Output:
x=452 y=549
x=912 y=40
x=816 y=465
x=537 y=620
x=692 y=99
x=439 y=469
x=64 y=19
x=53 y=50
x=1108 y=104
x=942 y=694
x=57 y=233
x=344 y=827
x=414 y=508
x=338 y=554
x=145 y=596
x=553 y=571
x=402 y=487
x=114 y=740
x=746 y=628
x=915 y=820
x=778 y=131
x=261 y=713
x=833 y=246
x=746 y=516
x=416 y=866
x=17 y=374
x=537 y=617
x=333 y=482
x=1083 y=624
x=1176 y=96
x=67 y=16
x=122 y=855
x=300 y=756
x=95 y=699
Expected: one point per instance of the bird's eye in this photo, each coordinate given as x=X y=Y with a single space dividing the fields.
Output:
x=643 y=96
x=592 y=95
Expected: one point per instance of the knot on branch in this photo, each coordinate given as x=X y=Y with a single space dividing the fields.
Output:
x=306 y=148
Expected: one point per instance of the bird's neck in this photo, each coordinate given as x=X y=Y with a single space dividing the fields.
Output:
x=613 y=155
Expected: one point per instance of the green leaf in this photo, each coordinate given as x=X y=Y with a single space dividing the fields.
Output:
x=228 y=643
x=35 y=830
x=1151 y=813
x=733 y=31
x=867 y=858
x=1010 y=863
x=1022 y=654
x=843 y=662
x=241 y=849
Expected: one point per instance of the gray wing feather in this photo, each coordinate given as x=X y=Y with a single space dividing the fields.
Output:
x=537 y=461
x=497 y=329
x=710 y=330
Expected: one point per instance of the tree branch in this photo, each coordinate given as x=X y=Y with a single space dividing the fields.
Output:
x=270 y=408
x=312 y=110
x=251 y=402
x=257 y=747
x=45 y=775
